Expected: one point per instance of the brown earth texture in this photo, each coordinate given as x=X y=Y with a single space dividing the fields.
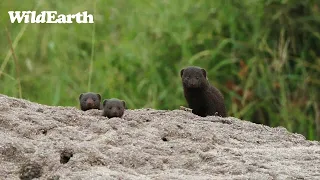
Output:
x=57 y=143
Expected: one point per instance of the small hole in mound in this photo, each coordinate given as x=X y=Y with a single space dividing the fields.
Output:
x=30 y=170
x=164 y=139
x=165 y=161
x=65 y=156
x=44 y=131
x=39 y=110
x=55 y=177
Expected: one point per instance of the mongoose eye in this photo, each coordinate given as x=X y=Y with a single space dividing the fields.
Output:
x=197 y=77
x=118 y=108
x=110 y=107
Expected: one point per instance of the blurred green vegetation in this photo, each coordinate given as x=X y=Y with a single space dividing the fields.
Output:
x=264 y=55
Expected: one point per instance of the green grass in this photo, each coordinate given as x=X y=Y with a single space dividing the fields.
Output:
x=262 y=54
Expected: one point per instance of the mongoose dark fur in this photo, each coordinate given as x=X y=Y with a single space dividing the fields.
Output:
x=90 y=100
x=113 y=108
x=203 y=98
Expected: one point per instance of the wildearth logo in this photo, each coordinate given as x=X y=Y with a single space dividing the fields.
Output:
x=49 y=17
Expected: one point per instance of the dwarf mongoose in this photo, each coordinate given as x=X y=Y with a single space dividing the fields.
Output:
x=203 y=98
x=90 y=100
x=113 y=108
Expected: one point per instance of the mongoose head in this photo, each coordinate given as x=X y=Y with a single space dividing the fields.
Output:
x=89 y=100
x=113 y=108
x=193 y=77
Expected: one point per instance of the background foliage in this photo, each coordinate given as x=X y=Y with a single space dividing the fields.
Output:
x=264 y=55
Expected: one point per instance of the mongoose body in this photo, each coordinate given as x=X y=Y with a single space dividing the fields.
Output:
x=203 y=98
x=90 y=100
x=113 y=108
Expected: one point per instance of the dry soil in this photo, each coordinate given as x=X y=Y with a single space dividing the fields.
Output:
x=66 y=143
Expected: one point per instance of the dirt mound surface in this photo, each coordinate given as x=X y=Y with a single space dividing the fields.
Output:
x=46 y=142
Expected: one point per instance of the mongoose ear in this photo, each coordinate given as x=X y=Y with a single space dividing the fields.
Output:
x=104 y=102
x=181 y=72
x=124 y=103
x=204 y=72
x=99 y=96
x=80 y=96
